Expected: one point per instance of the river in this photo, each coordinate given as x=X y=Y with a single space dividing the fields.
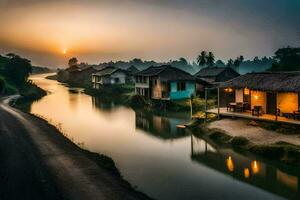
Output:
x=156 y=157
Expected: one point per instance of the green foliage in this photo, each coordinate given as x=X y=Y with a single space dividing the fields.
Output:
x=219 y=137
x=137 y=101
x=206 y=59
x=17 y=70
x=286 y=59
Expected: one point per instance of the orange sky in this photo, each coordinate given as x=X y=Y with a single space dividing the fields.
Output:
x=102 y=30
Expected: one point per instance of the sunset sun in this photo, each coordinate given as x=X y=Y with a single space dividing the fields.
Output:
x=149 y=99
x=64 y=52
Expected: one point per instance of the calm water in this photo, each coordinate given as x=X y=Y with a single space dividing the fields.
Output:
x=155 y=156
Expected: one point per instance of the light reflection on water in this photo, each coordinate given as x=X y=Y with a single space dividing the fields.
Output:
x=161 y=160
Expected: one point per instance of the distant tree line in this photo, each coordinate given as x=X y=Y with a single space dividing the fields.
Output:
x=285 y=59
x=15 y=69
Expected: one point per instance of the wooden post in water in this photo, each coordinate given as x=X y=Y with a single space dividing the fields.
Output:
x=218 y=103
x=205 y=104
x=276 y=113
x=191 y=101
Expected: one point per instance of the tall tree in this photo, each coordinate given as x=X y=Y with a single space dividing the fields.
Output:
x=73 y=62
x=238 y=61
x=202 y=59
x=210 y=59
x=286 y=59
x=230 y=63
x=17 y=69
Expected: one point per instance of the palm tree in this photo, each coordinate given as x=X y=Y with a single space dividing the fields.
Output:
x=230 y=63
x=202 y=58
x=238 y=61
x=210 y=59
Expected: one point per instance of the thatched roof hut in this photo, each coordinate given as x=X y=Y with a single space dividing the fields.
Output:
x=216 y=74
x=266 y=81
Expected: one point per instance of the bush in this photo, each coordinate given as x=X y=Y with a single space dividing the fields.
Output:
x=270 y=151
x=239 y=141
x=137 y=101
x=219 y=137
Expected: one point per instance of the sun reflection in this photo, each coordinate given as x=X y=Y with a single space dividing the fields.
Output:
x=229 y=164
x=255 y=167
x=246 y=172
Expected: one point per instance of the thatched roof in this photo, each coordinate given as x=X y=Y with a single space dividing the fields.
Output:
x=213 y=71
x=107 y=71
x=267 y=81
x=166 y=73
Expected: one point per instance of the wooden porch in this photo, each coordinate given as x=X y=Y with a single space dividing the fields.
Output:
x=248 y=115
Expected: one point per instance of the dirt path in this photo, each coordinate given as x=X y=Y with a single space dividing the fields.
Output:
x=37 y=162
x=239 y=127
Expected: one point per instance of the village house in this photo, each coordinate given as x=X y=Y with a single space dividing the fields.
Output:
x=81 y=75
x=109 y=76
x=210 y=76
x=131 y=71
x=263 y=95
x=164 y=82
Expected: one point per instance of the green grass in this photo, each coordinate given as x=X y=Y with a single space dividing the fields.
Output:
x=29 y=92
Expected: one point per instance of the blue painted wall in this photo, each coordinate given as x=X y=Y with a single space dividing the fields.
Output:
x=189 y=90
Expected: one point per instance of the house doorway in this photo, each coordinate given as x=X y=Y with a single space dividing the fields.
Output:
x=271 y=103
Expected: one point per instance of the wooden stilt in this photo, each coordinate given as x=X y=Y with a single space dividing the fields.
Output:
x=218 y=103
x=205 y=104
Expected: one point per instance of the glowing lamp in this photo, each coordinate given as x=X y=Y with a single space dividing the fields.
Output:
x=255 y=97
x=246 y=91
x=228 y=90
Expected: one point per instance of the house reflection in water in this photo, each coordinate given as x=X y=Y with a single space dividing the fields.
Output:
x=102 y=105
x=164 y=127
x=283 y=182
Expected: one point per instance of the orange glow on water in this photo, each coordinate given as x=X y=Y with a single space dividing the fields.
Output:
x=255 y=167
x=230 y=164
x=246 y=172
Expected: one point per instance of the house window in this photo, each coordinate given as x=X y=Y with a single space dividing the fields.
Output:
x=117 y=80
x=155 y=82
x=181 y=86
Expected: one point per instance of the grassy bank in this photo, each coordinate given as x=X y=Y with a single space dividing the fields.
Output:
x=29 y=93
x=279 y=151
x=101 y=160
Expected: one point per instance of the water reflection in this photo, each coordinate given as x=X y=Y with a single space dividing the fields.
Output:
x=158 y=125
x=251 y=171
x=102 y=105
x=153 y=154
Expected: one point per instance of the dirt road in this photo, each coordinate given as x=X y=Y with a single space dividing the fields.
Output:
x=37 y=162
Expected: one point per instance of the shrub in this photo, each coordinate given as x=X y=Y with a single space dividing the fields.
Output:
x=219 y=137
x=270 y=151
x=239 y=141
x=137 y=101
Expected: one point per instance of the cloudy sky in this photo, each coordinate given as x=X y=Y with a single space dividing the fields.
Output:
x=50 y=31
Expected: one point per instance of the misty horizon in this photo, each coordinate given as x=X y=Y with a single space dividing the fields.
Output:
x=51 y=32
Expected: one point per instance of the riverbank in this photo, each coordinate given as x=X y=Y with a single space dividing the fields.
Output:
x=249 y=137
x=76 y=173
